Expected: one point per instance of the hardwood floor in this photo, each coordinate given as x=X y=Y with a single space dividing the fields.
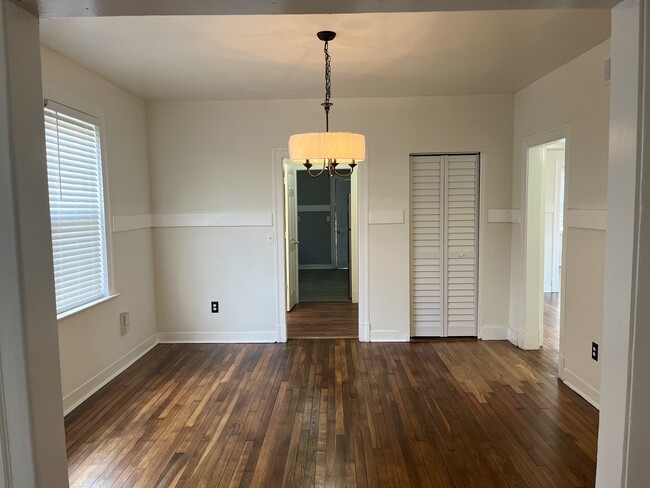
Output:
x=552 y=324
x=331 y=320
x=460 y=413
x=323 y=285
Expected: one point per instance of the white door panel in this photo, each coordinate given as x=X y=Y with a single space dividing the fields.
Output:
x=426 y=232
x=444 y=245
x=291 y=237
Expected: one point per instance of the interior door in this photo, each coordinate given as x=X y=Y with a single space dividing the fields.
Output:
x=342 y=202
x=426 y=246
x=444 y=245
x=291 y=235
x=461 y=253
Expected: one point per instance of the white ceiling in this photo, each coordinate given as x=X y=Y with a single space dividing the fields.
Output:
x=279 y=56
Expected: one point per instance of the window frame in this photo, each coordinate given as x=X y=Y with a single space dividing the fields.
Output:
x=79 y=108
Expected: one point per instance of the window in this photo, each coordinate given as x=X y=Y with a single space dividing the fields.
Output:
x=74 y=173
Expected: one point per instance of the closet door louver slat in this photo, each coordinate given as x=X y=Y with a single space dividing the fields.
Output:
x=444 y=245
x=426 y=236
x=462 y=242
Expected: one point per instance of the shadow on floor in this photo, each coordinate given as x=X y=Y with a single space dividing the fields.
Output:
x=323 y=285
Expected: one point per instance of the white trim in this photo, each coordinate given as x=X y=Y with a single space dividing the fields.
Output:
x=586 y=219
x=77 y=397
x=582 y=388
x=86 y=306
x=364 y=331
x=231 y=219
x=314 y=208
x=513 y=336
x=493 y=332
x=277 y=181
x=390 y=335
x=531 y=141
x=123 y=223
x=69 y=100
x=217 y=337
x=363 y=237
x=377 y=217
x=627 y=169
x=316 y=266
x=75 y=104
x=277 y=178
x=504 y=215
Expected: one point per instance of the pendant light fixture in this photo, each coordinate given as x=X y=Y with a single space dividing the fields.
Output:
x=327 y=148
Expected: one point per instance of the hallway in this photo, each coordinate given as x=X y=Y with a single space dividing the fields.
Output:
x=324 y=285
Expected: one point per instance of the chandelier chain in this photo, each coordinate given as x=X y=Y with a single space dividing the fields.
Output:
x=328 y=73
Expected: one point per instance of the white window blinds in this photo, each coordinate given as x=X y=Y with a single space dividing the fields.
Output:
x=74 y=173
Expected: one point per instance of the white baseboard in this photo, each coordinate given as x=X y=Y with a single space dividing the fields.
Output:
x=281 y=332
x=81 y=394
x=217 y=337
x=389 y=336
x=494 y=332
x=582 y=388
x=513 y=336
x=364 y=331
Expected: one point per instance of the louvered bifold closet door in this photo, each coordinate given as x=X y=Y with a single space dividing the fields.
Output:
x=461 y=218
x=426 y=239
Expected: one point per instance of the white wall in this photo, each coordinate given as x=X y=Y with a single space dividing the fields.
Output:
x=32 y=436
x=215 y=157
x=623 y=427
x=90 y=341
x=575 y=95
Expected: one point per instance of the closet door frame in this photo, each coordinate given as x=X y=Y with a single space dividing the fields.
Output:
x=443 y=235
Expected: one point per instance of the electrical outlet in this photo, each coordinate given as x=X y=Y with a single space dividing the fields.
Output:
x=215 y=307
x=125 y=322
x=594 y=351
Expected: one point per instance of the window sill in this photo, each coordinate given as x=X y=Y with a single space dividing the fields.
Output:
x=86 y=306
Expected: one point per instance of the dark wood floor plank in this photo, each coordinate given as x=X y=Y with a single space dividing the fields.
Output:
x=323 y=285
x=331 y=320
x=336 y=412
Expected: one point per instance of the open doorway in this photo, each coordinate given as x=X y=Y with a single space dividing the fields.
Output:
x=554 y=158
x=545 y=185
x=320 y=262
